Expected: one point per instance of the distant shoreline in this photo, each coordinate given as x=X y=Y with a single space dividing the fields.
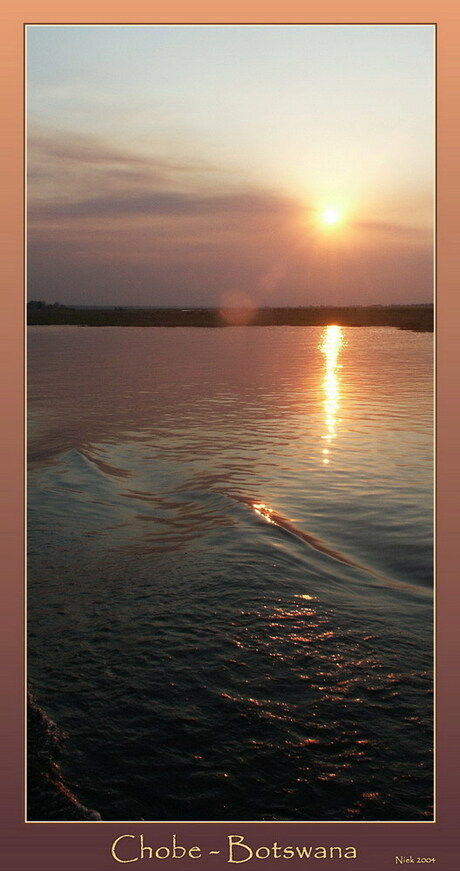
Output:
x=419 y=318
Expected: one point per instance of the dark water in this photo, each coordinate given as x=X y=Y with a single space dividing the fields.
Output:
x=230 y=570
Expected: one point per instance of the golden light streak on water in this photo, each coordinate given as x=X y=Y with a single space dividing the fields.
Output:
x=332 y=341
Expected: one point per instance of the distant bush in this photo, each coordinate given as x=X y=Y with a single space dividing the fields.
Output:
x=38 y=305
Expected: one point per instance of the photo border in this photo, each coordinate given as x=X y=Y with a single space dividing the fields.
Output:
x=50 y=846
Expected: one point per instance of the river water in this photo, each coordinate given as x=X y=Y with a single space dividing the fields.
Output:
x=230 y=573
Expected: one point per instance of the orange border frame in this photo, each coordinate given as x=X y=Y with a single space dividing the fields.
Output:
x=26 y=847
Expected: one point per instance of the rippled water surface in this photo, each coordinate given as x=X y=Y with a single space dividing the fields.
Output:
x=230 y=569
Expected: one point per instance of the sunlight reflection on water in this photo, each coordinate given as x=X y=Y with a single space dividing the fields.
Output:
x=332 y=341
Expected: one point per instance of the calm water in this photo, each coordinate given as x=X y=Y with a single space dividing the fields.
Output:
x=230 y=569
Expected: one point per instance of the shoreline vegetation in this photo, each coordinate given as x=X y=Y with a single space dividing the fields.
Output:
x=418 y=318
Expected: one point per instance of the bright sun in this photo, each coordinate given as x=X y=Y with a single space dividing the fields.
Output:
x=331 y=215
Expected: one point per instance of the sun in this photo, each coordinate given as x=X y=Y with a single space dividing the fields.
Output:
x=331 y=215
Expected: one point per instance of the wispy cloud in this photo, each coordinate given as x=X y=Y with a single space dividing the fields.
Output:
x=395 y=231
x=66 y=170
x=169 y=203
x=113 y=224
x=46 y=145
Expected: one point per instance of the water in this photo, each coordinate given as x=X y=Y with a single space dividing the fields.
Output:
x=230 y=570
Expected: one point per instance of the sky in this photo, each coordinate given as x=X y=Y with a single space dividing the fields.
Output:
x=230 y=165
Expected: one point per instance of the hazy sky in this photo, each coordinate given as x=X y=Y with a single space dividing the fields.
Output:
x=190 y=165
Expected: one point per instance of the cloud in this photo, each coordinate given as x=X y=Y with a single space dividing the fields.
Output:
x=73 y=178
x=76 y=148
x=64 y=169
x=60 y=147
x=396 y=231
x=113 y=225
x=169 y=203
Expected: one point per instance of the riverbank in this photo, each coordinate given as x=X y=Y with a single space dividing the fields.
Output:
x=407 y=317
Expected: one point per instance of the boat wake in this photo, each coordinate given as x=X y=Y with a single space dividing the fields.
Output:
x=282 y=522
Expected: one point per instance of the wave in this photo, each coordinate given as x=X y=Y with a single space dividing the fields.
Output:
x=49 y=796
x=282 y=522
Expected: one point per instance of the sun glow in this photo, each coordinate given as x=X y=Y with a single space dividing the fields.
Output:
x=331 y=215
